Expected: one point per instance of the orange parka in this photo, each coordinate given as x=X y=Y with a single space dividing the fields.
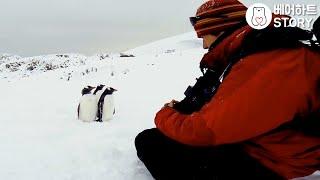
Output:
x=262 y=91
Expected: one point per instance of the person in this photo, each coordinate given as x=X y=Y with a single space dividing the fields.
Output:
x=261 y=121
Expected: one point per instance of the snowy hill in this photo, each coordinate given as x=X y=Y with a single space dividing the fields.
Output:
x=16 y=67
x=13 y=67
x=177 y=43
x=41 y=137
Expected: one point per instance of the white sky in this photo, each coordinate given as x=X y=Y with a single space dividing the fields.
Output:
x=35 y=27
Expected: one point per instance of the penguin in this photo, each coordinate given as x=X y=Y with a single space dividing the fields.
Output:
x=106 y=108
x=96 y=104
x=87 y=108
x=99 y=88
x=87 y=90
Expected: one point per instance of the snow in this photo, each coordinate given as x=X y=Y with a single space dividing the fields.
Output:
x=41 y=137
x=177 y=43
x=314 y=176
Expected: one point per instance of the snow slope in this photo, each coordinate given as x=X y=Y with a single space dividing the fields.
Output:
x=40 y=135
x=177 y=43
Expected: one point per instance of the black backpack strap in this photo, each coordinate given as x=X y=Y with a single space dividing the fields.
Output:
x=316 y=29
x=282 y=37
x=288 y=37
x=274 y=38
x=257 y=41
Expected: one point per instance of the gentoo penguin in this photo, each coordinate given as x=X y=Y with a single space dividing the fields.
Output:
x=88 y=107
x=99 y=90
x=87 y=90
x=106 y=108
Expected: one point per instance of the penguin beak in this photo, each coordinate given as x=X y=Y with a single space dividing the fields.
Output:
x=113 y=89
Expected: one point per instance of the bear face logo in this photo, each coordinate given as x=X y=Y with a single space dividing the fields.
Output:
x=259 y=16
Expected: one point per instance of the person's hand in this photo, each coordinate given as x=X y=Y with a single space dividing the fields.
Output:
x=170 y=104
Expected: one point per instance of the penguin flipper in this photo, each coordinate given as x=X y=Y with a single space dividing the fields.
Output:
x=78 y=111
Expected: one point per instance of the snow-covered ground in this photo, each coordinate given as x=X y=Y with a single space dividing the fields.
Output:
x=40 y=135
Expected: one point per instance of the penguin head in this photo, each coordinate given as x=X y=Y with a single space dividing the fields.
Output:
x=100 y=87
x=111 y=90
x=87 y=90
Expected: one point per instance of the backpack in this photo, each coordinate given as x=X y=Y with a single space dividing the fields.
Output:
x=316 y=29
x=203 y=90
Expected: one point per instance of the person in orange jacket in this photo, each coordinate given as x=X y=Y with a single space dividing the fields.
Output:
x=262 y=118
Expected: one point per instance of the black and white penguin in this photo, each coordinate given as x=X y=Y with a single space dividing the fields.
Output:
x=99 y=90
x=87 y=90
x=96 y=104
x=87 y=108
x=106 y=108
